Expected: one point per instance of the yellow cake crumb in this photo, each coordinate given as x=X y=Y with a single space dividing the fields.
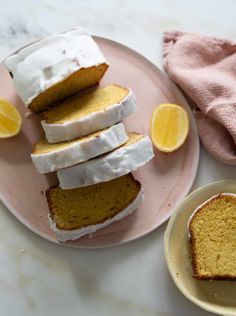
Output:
x=78 y=81
x=84 y=104
x=213 y=239
x=91 y=205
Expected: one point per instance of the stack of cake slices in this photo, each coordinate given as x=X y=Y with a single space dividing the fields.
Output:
x=84 y=140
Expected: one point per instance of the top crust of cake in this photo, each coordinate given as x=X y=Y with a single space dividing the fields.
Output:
x=213 y=238
x=84 y=104
x=45 y=63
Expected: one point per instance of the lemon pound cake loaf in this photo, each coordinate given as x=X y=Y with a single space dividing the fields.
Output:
x=212 y=229
x=92 y=111
x=123 y=160
x=51 y=157
x=55 y=68
x=78 y=212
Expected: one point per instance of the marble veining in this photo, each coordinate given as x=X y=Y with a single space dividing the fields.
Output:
x=40 y=278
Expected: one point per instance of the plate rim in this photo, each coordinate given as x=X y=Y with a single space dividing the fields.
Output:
x=167 y=234
x=185 y=191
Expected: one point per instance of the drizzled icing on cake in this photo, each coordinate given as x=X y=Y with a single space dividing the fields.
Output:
x=42 y=64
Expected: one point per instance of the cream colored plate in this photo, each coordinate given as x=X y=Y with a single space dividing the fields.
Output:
x=214 y=296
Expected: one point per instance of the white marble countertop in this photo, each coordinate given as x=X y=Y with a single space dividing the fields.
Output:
x=40 y=278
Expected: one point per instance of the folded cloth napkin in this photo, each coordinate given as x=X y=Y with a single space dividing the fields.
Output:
x=205 y=69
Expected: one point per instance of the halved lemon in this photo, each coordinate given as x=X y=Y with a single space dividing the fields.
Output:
x=169 y=127
x=10 y=119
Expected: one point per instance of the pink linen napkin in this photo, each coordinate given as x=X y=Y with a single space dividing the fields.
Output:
x=205 y=69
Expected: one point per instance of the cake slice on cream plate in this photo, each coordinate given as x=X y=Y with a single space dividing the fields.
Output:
x=52 y=157
x=88 y=112
x=212 y=231
x=78 y=212
x=127 y=158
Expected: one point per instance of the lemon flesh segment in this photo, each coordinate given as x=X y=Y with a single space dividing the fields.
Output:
x=169 y=127
x=10 y=119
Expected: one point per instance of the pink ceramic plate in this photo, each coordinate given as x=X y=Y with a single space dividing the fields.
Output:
x=166 y=179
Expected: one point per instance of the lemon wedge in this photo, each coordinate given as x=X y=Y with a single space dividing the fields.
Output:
x=10 y=119
x=169 y=127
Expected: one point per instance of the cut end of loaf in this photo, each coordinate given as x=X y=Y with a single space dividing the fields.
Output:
x=78 y=81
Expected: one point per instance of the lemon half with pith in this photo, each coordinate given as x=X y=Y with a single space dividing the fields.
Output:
x=169 y=127
x=10 y=119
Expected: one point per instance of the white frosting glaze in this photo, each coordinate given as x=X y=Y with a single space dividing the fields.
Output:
x=83 y=150
x=110 y=166
x=93 y=122
x=65 y=235
x=201 y=205
x=44 y=63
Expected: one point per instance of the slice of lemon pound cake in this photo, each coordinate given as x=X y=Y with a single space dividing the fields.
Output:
x=88 y=112
x=78 y=212
x=212 y=229
x=51 y=157
x=129 y=157
x=54 y=68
